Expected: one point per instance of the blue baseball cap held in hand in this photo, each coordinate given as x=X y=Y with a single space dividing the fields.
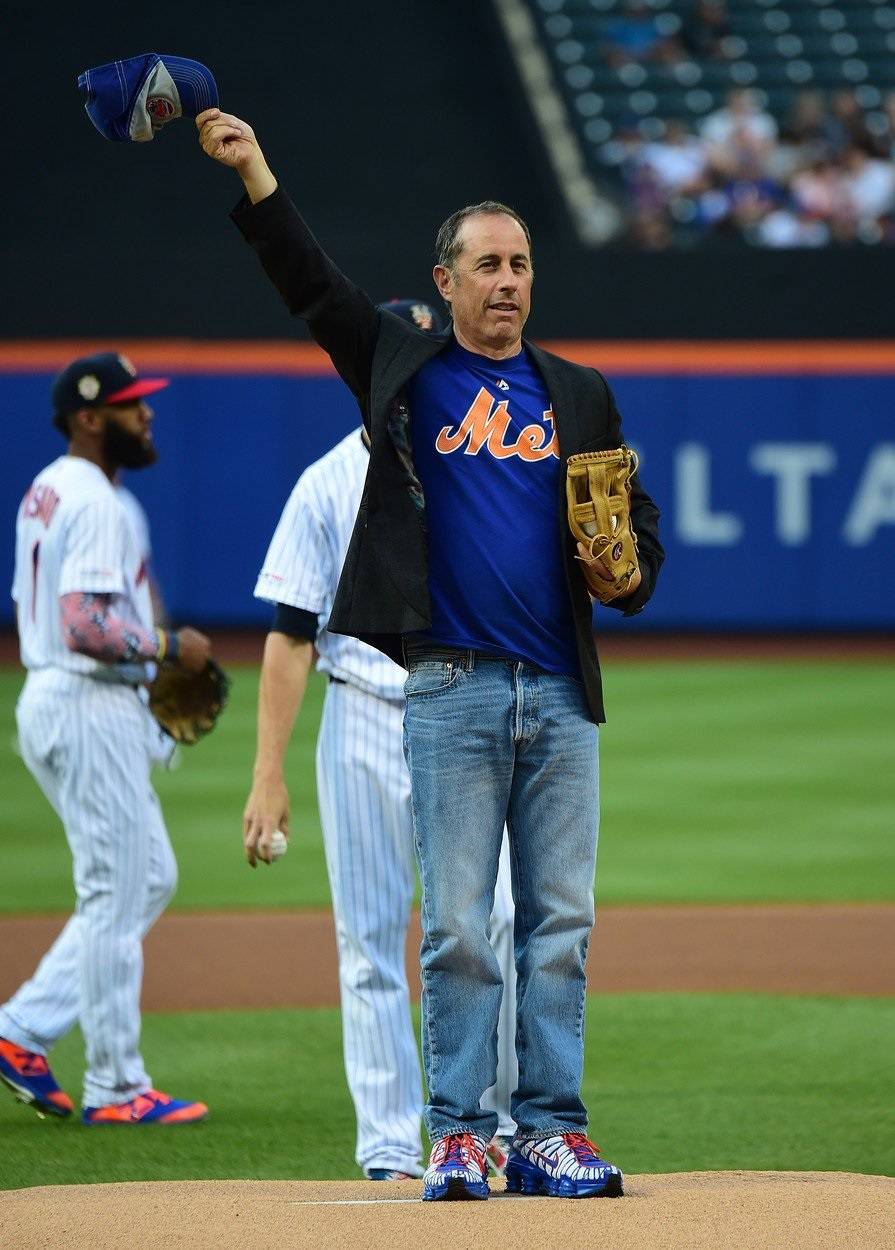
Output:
x=131 y=100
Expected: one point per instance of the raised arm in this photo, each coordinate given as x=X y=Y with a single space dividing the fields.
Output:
x=341 y=317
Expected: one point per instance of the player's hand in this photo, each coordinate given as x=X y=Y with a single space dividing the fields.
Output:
x=231 y=141
x=266 y=809
x=193 y=649
x=600 y=569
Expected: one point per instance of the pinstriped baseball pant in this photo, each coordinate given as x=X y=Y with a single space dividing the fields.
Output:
x=89 y=745
x=363 y=792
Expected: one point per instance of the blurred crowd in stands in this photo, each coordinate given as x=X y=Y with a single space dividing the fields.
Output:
x=822 y=174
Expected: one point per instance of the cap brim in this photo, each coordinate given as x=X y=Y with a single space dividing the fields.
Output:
x=136 y=390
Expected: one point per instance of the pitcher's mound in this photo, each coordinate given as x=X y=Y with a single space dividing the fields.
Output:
x=677 y=1211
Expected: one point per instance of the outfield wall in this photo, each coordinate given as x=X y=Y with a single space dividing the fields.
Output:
x=774 y=467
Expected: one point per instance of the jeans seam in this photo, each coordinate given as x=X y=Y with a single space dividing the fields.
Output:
x=426 y=1018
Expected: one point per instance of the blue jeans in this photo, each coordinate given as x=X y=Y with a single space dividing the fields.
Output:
x=490 y=740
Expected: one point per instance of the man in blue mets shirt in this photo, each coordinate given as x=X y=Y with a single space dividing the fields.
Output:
x=462 y=567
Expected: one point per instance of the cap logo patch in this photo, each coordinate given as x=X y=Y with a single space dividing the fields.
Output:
x=126 y=364
x=88 y=386
x=160 y=109
x=422 y=316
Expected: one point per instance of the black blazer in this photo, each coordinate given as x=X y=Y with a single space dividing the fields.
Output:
x=383 y=590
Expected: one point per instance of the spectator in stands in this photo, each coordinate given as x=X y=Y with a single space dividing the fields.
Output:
x=739 y=136
x=870 y=188
x=819 y=191
x=846 y=124
x=704 y=30
x=678 y=162
x=634 y=35
x=790 y=227
x=890 y=117
x=807 y=126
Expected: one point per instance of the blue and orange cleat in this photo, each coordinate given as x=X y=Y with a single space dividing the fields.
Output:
x=29 y=1077
x=457 y=1169
x=564 y=1165
x=153 y=1107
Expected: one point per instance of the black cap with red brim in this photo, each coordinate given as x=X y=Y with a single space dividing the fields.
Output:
x=104 y=378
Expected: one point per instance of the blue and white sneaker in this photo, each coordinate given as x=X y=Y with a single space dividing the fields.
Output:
x=566 y=1165
x=457 y=1168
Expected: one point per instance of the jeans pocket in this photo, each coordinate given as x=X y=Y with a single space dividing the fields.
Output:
x=430 y=677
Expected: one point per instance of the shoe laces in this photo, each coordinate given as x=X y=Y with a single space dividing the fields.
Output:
x=584 y=1150
x=462 y=1148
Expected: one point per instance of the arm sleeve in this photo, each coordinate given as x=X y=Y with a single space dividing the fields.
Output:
x=298 y=568
x=94 y=550
x=294 y=622
x=91 y=627
x=644 y=523
x=341 y=317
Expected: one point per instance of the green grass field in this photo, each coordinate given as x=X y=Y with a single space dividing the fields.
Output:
x=720 y=782
x=674 y=1083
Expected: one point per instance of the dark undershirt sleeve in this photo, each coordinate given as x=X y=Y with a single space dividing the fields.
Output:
x=295 y=622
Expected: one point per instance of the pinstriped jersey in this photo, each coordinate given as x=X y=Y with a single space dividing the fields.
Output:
x=73 y=533
x=306 y=555
x=138 y=519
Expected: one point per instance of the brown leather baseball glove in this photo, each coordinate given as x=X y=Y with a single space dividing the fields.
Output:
x=598 y=491
x=185 y=704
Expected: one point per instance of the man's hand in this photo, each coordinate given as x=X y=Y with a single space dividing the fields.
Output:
x=232 y=142
x=266 y=809
x=599 y=568
x=193 y=649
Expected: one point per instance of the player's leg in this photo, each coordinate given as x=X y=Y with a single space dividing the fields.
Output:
x=459 y=748
x=161 y=880
x=497 y=1097
x=109 y=825
x=553 y=821
x=362 y=793
x=45 y=1007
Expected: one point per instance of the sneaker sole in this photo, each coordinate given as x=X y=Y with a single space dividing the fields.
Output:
x=157 y=1123
x=30 y=1099
x=456 y=1190
x=535 y=1183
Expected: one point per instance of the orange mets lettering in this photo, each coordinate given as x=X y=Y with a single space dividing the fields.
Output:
x=486 y=425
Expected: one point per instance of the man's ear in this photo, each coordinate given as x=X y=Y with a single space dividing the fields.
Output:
x=444 y=282
x=90 y=420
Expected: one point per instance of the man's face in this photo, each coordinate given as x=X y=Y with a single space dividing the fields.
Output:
x=489 y=287
x=127 y=435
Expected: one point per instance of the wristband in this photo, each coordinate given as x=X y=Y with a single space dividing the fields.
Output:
x=168 y=645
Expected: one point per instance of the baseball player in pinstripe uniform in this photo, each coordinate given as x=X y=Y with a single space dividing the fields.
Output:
x=87 y=640
x=364 y=796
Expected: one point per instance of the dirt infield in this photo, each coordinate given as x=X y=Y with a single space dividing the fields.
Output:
x=237 y=647
x=698 y=1210
x=246 y=646
x=197 y=961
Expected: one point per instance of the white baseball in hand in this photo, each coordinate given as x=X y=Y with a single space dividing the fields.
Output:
x=279 y=845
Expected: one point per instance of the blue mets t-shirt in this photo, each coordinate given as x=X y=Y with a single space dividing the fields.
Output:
x=486 y=453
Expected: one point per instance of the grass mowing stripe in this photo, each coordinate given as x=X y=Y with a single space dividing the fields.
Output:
x=721 y=782
x=673 y=1082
